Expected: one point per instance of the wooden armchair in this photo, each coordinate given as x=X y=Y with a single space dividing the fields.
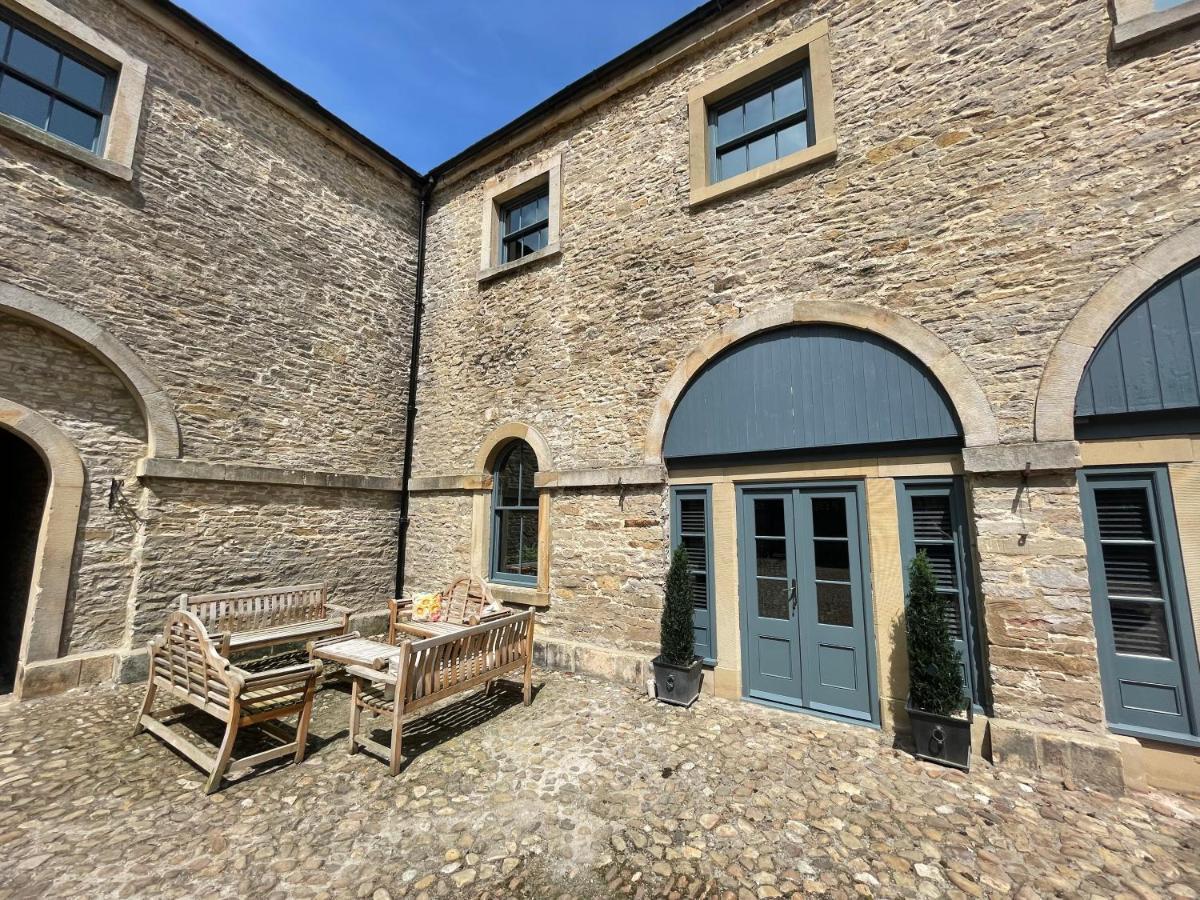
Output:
x=185 y=663
x=467 y=602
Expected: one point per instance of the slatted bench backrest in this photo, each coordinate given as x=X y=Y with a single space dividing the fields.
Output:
x=188 y=663
x=464 y=600
x=441 y=666
x=259 y=609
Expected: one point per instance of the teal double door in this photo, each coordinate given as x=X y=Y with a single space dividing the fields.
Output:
x=806 y=624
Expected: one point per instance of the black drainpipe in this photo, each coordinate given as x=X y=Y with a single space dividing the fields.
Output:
x=410 y=415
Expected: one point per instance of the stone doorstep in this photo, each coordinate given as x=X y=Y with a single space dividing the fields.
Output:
x=44 y=678
x=623 y=666
x=1102 y=762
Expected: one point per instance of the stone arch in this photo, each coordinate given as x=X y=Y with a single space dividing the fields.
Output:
x=45 y=614
x=490 y=449
x=1054 y=412
x=970 y=403
x=162 y=427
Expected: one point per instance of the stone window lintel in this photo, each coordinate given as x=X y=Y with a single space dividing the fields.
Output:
x=811 y=43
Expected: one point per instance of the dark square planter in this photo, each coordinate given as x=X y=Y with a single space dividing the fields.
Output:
x=677 y=684
x=942 y=739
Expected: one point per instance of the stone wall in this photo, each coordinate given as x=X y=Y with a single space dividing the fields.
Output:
x=72 y=388
x=994 y=169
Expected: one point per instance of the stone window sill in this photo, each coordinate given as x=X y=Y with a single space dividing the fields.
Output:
x=44 y=141
x=818 y=152
x=524 y=596
x=548 y=252
x=1155 y=24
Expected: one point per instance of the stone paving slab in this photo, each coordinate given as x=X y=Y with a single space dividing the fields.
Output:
x=593 y=791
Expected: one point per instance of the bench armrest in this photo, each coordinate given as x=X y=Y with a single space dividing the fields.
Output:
x=332 y=610
x=275 y=677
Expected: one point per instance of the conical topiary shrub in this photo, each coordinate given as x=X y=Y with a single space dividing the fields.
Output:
x=677 y=635
x=934 y=665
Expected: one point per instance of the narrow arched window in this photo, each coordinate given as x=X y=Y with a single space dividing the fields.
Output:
x=515 y=516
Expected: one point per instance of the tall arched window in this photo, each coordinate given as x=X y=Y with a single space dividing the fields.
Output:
x=515 y=516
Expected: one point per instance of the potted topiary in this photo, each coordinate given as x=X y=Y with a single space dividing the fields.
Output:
x=677 y=667
x=935 y=690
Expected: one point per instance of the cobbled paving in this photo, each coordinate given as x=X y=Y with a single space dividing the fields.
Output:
x=592 y=791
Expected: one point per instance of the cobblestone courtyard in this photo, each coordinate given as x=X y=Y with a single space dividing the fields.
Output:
x=592 y=791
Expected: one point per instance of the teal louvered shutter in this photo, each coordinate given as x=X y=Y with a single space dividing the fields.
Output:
x=691 y=527
x=932 y=518
x=1139 y=602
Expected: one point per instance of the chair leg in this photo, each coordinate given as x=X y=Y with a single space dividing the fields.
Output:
x=147 y=702
x=397 y=735
x=225 y=753
x=528 y=686
x=305 y=717
x=355 y=713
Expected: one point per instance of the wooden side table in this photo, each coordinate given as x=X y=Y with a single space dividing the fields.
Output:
x=352 y=650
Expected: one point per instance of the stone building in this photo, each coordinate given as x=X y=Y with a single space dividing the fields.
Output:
x=804 y=285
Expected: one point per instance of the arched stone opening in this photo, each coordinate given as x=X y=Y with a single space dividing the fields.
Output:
x=21 y=508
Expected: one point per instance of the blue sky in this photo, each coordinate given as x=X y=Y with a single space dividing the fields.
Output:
x=426 y=78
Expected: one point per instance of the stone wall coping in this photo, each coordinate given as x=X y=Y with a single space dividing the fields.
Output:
x=551 y=479
x=242 y=473
x=1044 y=456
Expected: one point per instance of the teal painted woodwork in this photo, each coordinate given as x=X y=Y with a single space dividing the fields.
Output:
x=514 y=554
x=806 y=388
x=691 y=527
x=933 y=519
x=1148 y=365
x=805 y=605
x=1147 y=648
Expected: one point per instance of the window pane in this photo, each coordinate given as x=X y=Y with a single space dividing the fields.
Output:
x=793 y=139
x=731 y=163
x=758 y=112
x=25 y=102
x=761 y=152
x=528 y=565
x=32 y=57
x=790 y=98
x=771 y=557
x=516 y=473
x=729 y=124
x=543 y=208
x=517 y=538
x=931 y=518
x=832 y=560
x=768 y=517
x=829 y=517
x=1132 y=571
x=4 y=29
x=834 y=605
x=74 y=125
x=772 y=599
x=1140 y=628
x=81 y=83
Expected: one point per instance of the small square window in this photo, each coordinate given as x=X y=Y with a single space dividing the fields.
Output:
x=766 y=117
x=521 y=213
x=45 y=85
x=525 y=225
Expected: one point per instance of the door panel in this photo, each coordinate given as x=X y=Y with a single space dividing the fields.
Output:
x=833 y=636
x=773 y=660
x=1136 y=602
x=803 y=599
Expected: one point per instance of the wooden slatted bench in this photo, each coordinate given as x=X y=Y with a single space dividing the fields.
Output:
x=185 y=664
x=467 y=602
x=262 y=617
x=433 y=669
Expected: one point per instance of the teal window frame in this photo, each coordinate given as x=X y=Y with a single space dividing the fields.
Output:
x=1155 y=481
x=500 y=508
x=12 y=24
x=706 y=648
x=717 y=148
x=513 y=239
x=972 y=639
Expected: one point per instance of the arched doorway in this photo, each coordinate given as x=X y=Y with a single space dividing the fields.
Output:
x=809 y=461
x=22 y=504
